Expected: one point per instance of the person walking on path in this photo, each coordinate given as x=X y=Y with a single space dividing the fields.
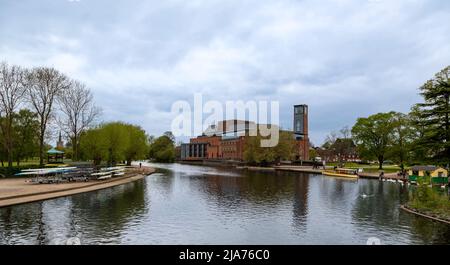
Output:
x=381 y=175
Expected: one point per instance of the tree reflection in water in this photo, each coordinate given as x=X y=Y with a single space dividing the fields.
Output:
x=182 y=204
x=382 y=210
x=101 y=214
x=107 y=212
x=300 y=207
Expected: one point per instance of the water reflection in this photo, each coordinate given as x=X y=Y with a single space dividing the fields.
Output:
x=430 y=233
x=97 y=216
x=182 y=204
x=108 y=212
x=300 y=206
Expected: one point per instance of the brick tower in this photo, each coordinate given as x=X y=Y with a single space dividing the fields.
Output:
x=301 y=131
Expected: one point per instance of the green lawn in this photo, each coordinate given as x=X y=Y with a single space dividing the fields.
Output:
x=31 y=162
x=5 y=171
x=430 y=201
x=23 y=163
x=369 y=168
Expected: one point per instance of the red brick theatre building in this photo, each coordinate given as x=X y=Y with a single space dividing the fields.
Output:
x=226 y=140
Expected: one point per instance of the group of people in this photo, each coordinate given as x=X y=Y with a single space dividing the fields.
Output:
x=317 y=165
x=402 y=174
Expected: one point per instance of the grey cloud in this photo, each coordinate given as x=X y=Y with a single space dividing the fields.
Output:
x=345 y=59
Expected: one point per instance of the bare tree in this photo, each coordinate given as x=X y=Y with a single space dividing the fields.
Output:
x=45 y=85
x=340 y=145
x=79 y=112
x=330 y=139
x=12 y=94
x=346 y=132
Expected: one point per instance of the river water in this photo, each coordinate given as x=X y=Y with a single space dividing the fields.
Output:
x=185 y=204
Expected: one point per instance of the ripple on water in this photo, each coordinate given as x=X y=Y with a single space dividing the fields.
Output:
x=182 y=204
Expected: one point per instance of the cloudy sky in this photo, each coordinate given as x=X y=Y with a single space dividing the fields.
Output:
x=344 y=58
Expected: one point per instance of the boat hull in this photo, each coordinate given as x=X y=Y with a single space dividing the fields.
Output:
x=333 y=174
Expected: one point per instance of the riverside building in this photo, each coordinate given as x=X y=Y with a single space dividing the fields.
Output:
x=226 y=140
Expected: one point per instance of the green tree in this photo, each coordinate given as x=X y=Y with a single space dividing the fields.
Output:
x=420 y=152
x=434 y=116
x=3 y=150
x=25 y=127
x=373 y=135
x=169 y=135
x=284 y=150
x=117 y=139
x=162 y=149
x=401 y=140
x=255 y=154
x=137 y=146
x=93 y=145
x=313 y=153
x=12 y=95
x=114 y=142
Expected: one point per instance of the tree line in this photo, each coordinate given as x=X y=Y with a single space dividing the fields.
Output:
x=254 y=154
x=420 y=136
x=113 y=143
x=162 y=149
x=32 y=100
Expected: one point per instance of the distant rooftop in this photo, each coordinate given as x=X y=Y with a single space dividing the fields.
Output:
x=424 y=168
x=53 y=151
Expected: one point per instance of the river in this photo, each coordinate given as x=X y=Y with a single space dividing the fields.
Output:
x=186 y=204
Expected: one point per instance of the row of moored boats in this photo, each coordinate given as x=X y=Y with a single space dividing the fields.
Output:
x=71 y=174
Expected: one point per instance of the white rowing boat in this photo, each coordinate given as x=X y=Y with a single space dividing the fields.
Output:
x=104 y=177
x=44 y=171
x=112 y=168
x=101 y=173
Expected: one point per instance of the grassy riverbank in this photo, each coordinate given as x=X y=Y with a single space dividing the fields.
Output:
x=9 y=172
x=369 y=168
x=6 y=171
x=430 y=201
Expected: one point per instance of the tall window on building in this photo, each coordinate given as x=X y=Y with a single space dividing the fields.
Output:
x=298 y=126
x=299 y=110
x=299 y=119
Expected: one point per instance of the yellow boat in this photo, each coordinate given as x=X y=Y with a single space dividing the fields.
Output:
x=342 y=172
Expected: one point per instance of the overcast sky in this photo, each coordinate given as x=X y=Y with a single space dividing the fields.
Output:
x=345 y=59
